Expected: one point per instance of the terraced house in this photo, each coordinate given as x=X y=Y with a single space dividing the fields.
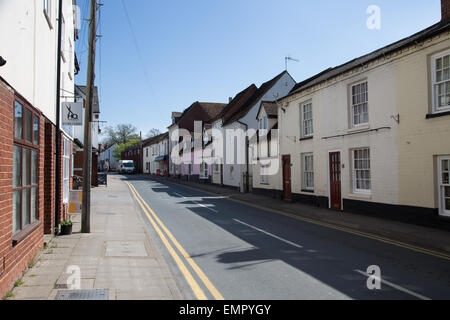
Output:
x=371 y=136
x=32 y=202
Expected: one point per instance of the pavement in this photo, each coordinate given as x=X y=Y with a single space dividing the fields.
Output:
x=425 y=237
x=120 y=255
x=249 y=250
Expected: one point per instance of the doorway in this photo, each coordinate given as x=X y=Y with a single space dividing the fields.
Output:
x=444 y=186
x=335 y=181
x=287 y=187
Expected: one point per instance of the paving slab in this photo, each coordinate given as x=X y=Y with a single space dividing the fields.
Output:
x=119 y=255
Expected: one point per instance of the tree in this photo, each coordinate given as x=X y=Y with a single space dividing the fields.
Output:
x=153 y=133
x=121 y=134
x=118 y=149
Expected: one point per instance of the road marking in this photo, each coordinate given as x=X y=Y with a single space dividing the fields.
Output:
x=270 y=234
x=208 y=284
x=347 y=230
x=335 y=227
x=394 y=286
x=200 y=204
x=187 y=275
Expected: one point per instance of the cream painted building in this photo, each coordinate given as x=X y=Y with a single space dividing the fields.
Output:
x=370 y=136
x=156 y=155
x=423 y=100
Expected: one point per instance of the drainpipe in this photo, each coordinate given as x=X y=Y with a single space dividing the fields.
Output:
x=247 y=144
x=58 y=122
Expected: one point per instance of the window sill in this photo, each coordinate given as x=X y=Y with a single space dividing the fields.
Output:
x=359 y=128
x=22 y=235
x=307 y=191
x=307 y=138
x=355 y=195
x=438 y=114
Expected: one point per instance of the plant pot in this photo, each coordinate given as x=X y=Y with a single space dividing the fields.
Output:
x=66 y=230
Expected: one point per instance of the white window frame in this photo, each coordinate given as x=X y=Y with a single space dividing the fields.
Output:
x=47 y=9
x=352 y=105
x=305 y=120
x=442 y=210
x=357 y=190
x=63 y=40
x=434 y=86
x=264 y=177
x=306 y=172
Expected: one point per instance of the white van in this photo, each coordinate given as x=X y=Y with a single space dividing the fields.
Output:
x=126 y=166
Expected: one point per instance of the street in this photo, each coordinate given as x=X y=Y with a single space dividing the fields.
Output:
x=219 y=248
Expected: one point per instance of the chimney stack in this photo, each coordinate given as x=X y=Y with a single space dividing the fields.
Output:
x=230 y=99
x=445 y=10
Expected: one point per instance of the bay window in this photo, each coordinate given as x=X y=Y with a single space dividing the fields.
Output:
x=25 y=166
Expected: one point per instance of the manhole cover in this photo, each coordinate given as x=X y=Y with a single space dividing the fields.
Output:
x=83 y=295
x=125 y=249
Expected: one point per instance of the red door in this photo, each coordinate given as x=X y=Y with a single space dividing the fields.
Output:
x=287 y=191
x=335 y=181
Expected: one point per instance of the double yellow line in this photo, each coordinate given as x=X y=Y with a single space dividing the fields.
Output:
x=159 y=228
x=404 y=245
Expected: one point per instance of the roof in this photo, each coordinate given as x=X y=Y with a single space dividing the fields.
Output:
x=238 y=102
x=95 y=103
x=199 y=111
x=154 y=140
x=265 y=87
x=270 y=107
x=333 y=72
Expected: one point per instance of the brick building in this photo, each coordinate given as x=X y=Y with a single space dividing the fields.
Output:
x=28 y=195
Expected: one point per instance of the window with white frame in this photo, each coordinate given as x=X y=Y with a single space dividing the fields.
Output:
x=66 y=170
x=63 y=40
x=47 y=4
x=360 y=104
x=264 y=174
x=308 y=172
x=204 y=171
x=307 y=120
x=361 y=170
x=441 y=82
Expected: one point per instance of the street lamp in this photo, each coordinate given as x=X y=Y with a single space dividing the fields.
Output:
x=2 y=61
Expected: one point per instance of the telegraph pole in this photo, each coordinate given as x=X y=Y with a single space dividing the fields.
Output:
x=58 y=199
x=87 y=154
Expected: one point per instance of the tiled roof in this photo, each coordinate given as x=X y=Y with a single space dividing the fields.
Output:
x=333 y=72
x=270 y=107
x=265 y=87
x=199 y=111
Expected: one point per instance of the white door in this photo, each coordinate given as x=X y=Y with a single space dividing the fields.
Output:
x=444 y=186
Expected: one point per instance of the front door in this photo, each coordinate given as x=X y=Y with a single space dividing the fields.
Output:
x=287 y=190
x=335 y=181
x=444 y=186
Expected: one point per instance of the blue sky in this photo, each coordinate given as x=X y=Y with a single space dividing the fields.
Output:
x=209 y=50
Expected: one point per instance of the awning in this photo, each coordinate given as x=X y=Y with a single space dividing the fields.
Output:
x=162 y=158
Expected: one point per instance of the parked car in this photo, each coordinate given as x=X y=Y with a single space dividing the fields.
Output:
x=126 y=166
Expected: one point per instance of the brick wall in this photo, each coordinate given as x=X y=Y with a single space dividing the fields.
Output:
x=14 y=260
x=445 y=7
